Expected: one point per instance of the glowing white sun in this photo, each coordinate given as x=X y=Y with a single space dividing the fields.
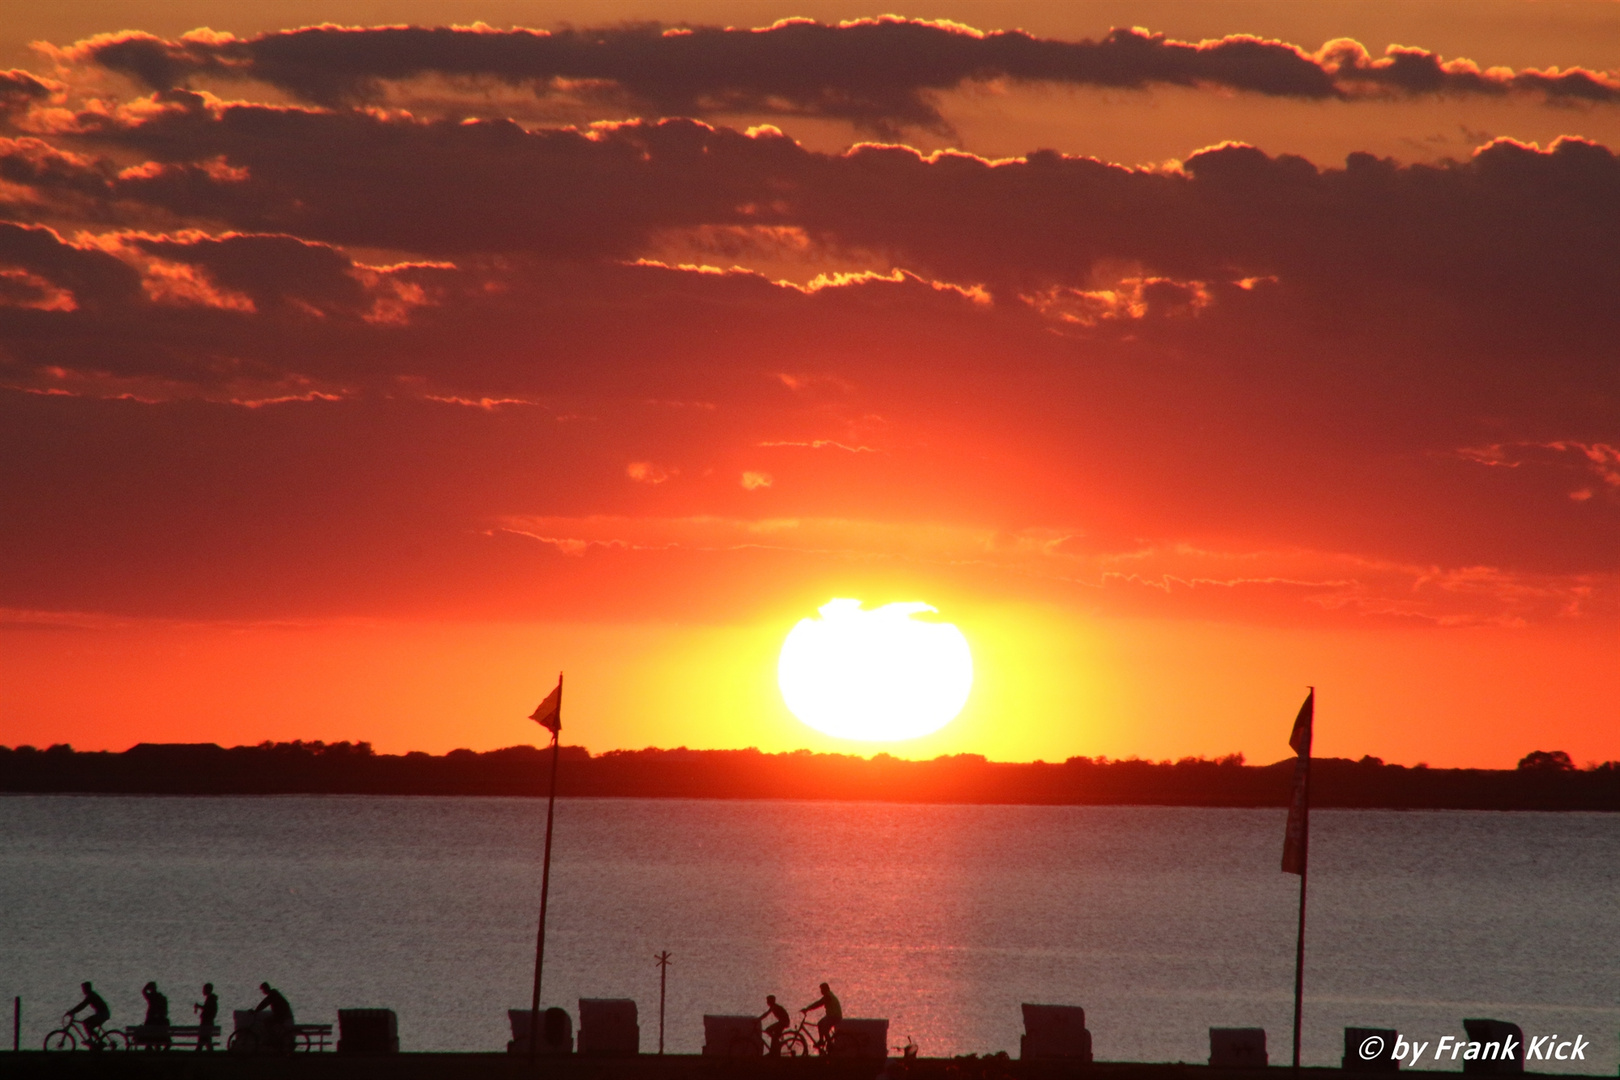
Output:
x=875 y=675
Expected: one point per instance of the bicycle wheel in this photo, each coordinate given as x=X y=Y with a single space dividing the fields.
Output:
x=61 y=1039
x=114 y=1040
x=243 y=1042
x=794 y=1045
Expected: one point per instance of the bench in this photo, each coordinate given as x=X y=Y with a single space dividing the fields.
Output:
x=1055 y=1032
x=860 y=1038
x=178 y=1036
x=732 y=1036
x=251 y=1036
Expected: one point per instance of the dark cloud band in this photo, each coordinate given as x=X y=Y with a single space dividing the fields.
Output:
x=1359 y=238
x=880 y=74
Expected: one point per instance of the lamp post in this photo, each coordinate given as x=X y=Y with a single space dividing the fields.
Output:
x=663 y=979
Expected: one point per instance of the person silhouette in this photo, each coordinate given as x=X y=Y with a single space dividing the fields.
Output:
x=280 y=1026
x=832 y=1015
x=207 y=1010
x=157 y=1016
x=98 y=1014
x=778 y=1026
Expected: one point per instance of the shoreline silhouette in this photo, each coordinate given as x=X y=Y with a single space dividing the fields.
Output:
x=1544 y=780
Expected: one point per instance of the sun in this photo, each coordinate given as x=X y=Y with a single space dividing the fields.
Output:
x=877 y=675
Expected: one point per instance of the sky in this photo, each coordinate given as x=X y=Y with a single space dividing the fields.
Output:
x=364 y=364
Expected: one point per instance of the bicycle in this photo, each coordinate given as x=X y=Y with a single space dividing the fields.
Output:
x=259 y=1035
x=73 y=1033
x=804 y=1039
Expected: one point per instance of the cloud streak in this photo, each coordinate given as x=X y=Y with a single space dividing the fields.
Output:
x=1138 y=580
x=881 y=74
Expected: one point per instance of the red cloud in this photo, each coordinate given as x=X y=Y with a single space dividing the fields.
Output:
x=878 y=73
x=245 y=326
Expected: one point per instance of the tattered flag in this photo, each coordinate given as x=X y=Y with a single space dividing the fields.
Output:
x=1297 y=840
x=549 y=713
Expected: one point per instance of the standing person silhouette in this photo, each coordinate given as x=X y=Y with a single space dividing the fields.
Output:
x=780 y=1025
x=281 y=1016
x=157 y=1016
x=207 y=1011
x=98 y=1015
x=832 y=1015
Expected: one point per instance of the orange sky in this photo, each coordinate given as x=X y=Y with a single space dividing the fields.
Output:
x=354 y=382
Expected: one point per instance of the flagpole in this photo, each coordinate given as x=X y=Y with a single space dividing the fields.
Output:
x=545 y=884
x=1304 y=869
x=1299 y=950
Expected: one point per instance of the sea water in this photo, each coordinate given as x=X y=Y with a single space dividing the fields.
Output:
x=1160 y=922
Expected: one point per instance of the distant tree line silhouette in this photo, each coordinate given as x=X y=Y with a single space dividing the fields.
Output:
x=1544 y=780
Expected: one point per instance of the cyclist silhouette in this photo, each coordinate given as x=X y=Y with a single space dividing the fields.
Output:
x=281 y=1016
x=778 y=1026
x=832 y=1015
x=98 y=1015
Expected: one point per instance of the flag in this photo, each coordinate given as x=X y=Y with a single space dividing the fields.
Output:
x=1297 y=840
x=549 y=713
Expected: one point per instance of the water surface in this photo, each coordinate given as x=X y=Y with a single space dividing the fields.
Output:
x=1161 y=922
